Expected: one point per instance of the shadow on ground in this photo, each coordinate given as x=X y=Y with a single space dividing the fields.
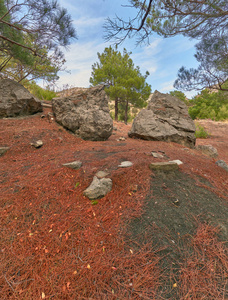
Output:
x=172 y=213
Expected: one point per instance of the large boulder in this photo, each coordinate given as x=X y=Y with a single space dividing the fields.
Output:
x=85 y=113
x=165 y=119
x=16 y=100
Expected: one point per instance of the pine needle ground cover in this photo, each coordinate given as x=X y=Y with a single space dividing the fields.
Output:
x=57 y=244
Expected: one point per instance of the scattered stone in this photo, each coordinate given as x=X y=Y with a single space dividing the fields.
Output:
x=37 y=144
x=208 y=150
x=42 y=116
x=177 y=161
x=101 y=174
x=98 y=188
x=135 y=188
x=156 y=155
x=86 y=113
x=164 y=166
x=121 y=139
x=114 y=128
x=3 y=150
x=125 y=164
x=165 y=119
x=73 y=165
x=222 y=164
x=16 y=100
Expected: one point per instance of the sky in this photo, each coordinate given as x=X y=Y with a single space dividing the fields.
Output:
x=162 y=57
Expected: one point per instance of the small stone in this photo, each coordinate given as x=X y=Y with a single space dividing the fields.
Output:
x=135 y=188
x=73 y=165
x=164 y=166
x=114 y=128
x=121 y=139
x=37 y=144
x=125 y=164
x=222 y=164
x=208 y=150
x=101 y=174
x=177 y=161
x=98 y=188
x=3 y=150
x=156 y=155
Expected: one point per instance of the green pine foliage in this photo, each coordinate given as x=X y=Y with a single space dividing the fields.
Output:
x=40 y=93
x=126 y=86
x=208 y=105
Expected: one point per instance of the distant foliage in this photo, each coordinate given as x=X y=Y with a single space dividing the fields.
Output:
x=208 y=105
x=40 y=93
x=201 y=132
x=180 y=95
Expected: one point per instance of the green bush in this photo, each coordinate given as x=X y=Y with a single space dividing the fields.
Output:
x=201 y=133
x=40 y=93
x=209 y=105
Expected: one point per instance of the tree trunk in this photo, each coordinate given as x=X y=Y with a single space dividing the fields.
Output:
x=126 y=111
x=116 y=108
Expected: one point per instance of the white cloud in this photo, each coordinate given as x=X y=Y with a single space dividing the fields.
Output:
x=167 y=86
x=80 y=59
x=88 y=22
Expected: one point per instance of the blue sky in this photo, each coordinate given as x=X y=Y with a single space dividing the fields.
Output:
x=162 y=58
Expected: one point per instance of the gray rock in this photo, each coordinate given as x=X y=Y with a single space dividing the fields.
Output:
x=86 y=114
x=208 y=150
x=222 y=164
x=73 y=165
x=156 y=155
x=164 y=166
x=125 y=164
x=37 y=144
x=16 y=100
x=98 y=188
x=3 y=150
x=121 y=139
x=101 y=174
x=165 y=119
x=177 y=161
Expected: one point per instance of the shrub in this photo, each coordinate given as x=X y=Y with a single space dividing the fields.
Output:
x=201 y=132
x=40 y=93
x=209 y=105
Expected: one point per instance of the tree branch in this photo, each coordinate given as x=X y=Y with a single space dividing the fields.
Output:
x=19 y=44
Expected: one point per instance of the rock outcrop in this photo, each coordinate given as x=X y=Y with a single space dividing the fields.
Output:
x=165 y=119
x=86 y=114
x=16 y=100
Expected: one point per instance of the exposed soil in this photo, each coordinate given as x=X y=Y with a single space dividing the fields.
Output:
x=144 y=240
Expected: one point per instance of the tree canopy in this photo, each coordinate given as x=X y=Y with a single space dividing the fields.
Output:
x=195 y=18
x=212 y=55
x=32 y=33
x=125 y=83
x=206 y=20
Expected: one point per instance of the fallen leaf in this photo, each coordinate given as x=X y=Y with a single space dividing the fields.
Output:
x=131 y=251
x=77 y=184
x=175 y=285
x=94 y=202
x=43 y=295
x=88 y=266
